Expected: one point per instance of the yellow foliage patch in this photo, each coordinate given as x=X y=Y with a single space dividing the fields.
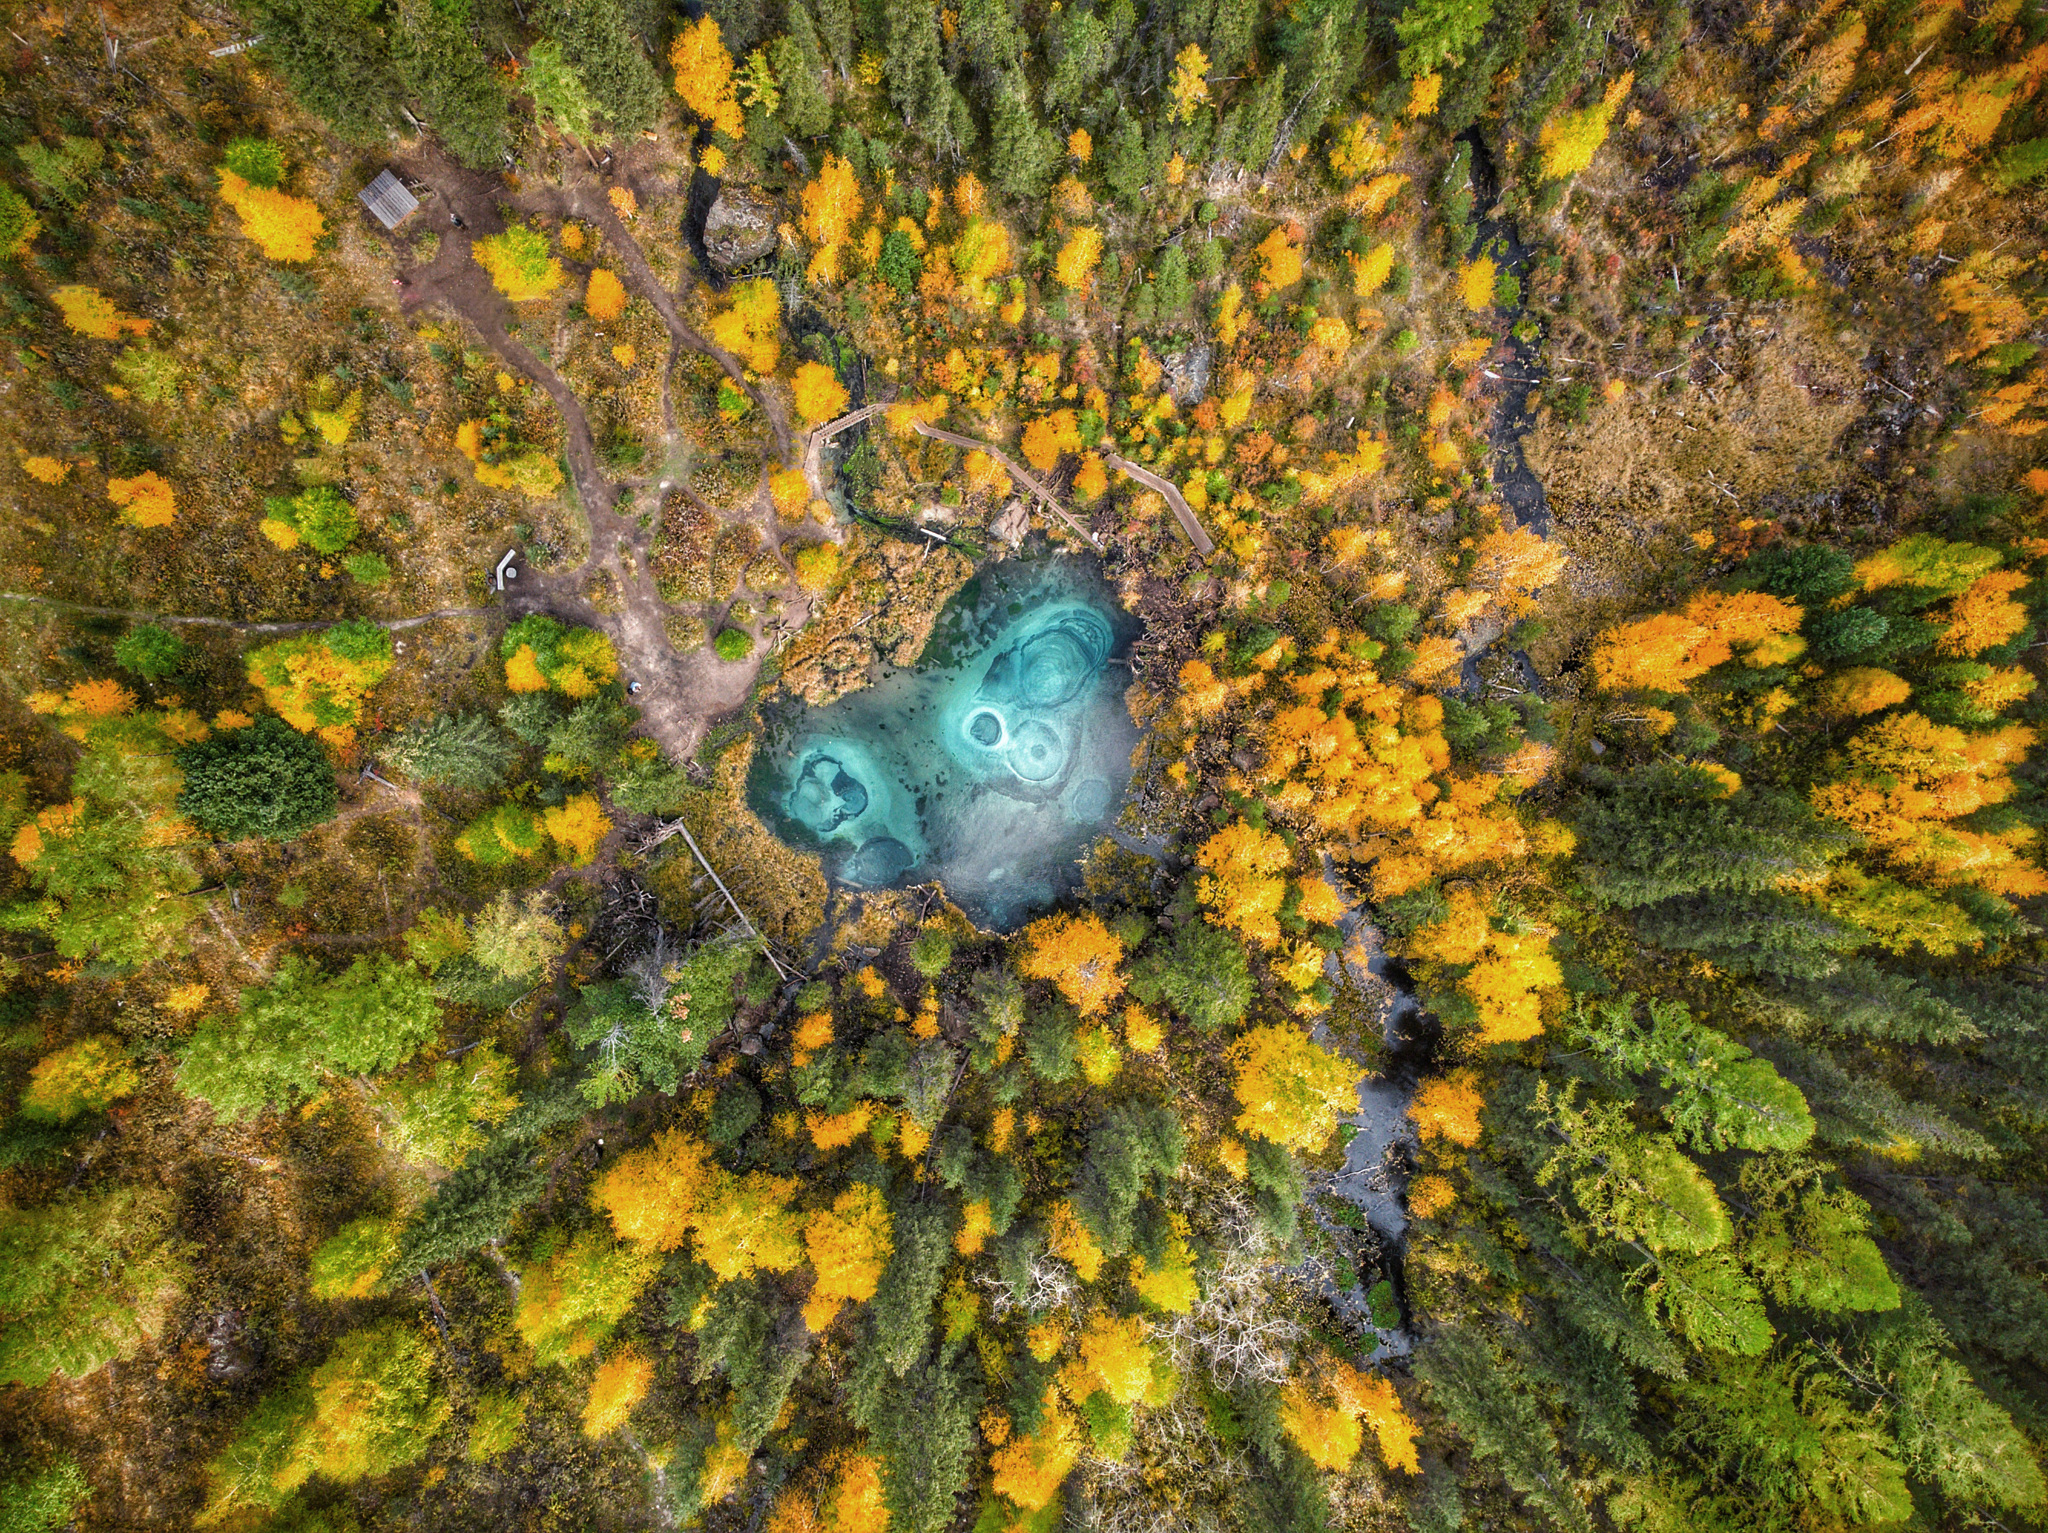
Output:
x=620 y=1384
x=284 y=227
x=605 y=296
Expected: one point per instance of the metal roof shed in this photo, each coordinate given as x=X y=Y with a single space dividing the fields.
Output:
x=388 y=199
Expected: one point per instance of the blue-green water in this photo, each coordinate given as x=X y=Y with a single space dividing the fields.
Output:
x=989 y=766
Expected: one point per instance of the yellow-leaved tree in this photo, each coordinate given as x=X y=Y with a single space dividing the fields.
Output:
x=704 y=76
x=831 y=207
x=820 y=396
x=620 y=1384
x=1326 y=1411
x=673 y=1191
x=1570 y=139
x=848 y=1246
x=284 y=227
x=519 y=263
x=1289 y=1089
x=750 y=327
x=1074 y=266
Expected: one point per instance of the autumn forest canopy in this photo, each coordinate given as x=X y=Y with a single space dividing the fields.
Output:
x=1547 y=1030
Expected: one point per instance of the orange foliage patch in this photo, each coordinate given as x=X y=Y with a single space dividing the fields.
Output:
x=1079 y=955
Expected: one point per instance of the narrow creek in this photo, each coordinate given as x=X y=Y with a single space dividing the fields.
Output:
x=1379 y=1157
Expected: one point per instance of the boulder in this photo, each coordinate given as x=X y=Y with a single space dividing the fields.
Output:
x=740 y=229
x=1011 y=523
x=1187 y=373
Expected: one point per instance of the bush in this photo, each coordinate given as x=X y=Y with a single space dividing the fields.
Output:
x=318 y=517
x=256 y=160
x=264 y=780
x=368 y=569
x=150 y=652
x=519 y=263
x=733 y=644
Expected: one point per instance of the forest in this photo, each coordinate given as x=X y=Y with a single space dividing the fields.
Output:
x=584 y=943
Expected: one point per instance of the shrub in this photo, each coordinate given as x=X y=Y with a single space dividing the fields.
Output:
x=733 y=644
x=265 y=780
x=519 y=263
x=88 y=311
x=318 y=516
x=18 y=223
x=508 y=831
x=256 y=160
x=541 y=654
x=150 y=652
x=317 y=681
x=368 y=569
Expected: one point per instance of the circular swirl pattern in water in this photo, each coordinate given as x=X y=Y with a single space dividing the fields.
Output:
x=1088 y=800
x=1052 y=669
x=826 y=796
x=880 y=861
x=985 y=728
x=1036 y=752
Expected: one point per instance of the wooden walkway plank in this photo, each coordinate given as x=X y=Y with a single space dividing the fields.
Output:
x=1182 y=511
x=1017 y=472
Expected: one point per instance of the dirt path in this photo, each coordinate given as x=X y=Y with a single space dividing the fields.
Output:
x=679 y=694
x=587 y=200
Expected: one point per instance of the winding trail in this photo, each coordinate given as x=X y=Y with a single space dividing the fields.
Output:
x=680 y=693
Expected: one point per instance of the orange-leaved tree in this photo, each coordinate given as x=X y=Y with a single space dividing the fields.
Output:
x=1028 y=1471
x=1666 y=652
x=1448 y=1107
x=605 y=296
x=146 y=500
x=1079 y=955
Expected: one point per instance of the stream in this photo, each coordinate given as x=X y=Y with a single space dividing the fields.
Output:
x=1378 y=1159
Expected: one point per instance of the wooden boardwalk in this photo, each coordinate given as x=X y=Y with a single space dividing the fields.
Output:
x=1182 y=511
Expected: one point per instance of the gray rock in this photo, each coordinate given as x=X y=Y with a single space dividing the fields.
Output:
x=740 y=229
x=1011 y=523
x=1187 y=373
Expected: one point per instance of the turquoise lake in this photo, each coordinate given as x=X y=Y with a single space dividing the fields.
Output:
x=989 y=766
